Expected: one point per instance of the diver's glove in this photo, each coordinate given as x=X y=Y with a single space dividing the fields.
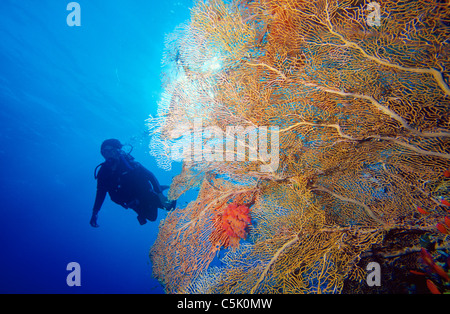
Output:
x=93 y=221
x=166 y=204
x=171 y=205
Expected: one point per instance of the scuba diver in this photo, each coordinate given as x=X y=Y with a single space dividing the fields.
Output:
x=129 y=184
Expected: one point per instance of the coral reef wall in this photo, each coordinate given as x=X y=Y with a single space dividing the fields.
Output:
x=358 y=113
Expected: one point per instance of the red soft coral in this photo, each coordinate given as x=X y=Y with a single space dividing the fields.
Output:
x=235 y=221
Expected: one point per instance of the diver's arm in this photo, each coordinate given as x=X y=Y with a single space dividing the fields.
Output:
x=99 y=199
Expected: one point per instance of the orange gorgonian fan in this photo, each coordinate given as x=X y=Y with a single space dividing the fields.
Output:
x=232 y=225
x=363 y=113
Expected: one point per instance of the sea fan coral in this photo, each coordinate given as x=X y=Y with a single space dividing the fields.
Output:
x=363 y=121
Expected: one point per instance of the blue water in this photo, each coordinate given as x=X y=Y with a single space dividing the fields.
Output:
x=63 y=90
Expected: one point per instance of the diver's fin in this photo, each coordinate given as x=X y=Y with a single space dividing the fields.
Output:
x=142 y=220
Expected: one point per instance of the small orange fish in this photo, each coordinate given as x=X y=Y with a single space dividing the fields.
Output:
x=442 y=228
x=447 y=173
x=432 y=287
x=427 y=258
x=445 y=202
x=422 y=211
x=440 y=271
x=447 y=221
x=417 y=273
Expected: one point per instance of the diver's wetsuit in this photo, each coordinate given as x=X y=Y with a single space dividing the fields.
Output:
x=128 y=184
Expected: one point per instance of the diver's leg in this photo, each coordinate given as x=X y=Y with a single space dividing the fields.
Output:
x=147 y=211
x=142 y=220
x=152 y=213
x=150 y=203
x=140 y=214
x=148 y=207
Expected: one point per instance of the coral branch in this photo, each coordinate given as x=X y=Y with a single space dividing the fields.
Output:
x=272 y=261
x=436 y=74
x=269 y=67
x=380 y=107
x=350 y=200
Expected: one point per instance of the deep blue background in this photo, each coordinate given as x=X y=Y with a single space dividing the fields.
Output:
x=63 y=90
